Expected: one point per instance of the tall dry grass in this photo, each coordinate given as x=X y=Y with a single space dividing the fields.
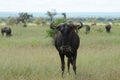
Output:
x=30 y=55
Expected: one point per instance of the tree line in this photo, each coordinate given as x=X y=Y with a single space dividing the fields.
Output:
x=25 y=18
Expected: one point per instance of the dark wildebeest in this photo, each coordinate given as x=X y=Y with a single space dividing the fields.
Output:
x=67 y=42
x=108 y=27
x=6 y=30
x=87 y=29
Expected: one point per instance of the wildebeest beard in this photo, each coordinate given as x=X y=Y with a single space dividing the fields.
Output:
x=66 y=50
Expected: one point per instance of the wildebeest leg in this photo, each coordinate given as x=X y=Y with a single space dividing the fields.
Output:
x=74 y=65
x=62 y=63
x=68 y=64
x=2 y=33
x=7 y=34
x=74 y=62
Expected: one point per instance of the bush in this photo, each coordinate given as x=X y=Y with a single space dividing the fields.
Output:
x=37 y=21
x=0 y=21
x=11 y=21
x=61 y=20
x=51 y=32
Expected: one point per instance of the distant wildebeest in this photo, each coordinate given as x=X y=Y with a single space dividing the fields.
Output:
x=87 y=29
x=108 y=27
x=6 y=30
x=67 y=42
x=93 y=24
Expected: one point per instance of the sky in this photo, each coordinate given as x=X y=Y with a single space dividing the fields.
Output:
x=60 y=5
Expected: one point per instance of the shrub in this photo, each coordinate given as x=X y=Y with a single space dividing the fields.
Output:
x=51 y=32
x=11 y=21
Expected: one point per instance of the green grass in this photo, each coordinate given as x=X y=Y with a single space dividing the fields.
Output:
x=30 y=55
x=32 y=35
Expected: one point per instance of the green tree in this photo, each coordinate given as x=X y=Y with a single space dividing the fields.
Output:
x=51 y=14
x=64 y=15
x=11 y=21
x=24 y=18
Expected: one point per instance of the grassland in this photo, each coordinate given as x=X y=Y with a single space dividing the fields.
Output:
x=30 y=55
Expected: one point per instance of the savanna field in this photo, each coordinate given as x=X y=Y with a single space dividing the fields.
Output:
x=30 y=55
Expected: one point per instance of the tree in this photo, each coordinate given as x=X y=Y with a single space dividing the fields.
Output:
x=24 y=18
x=64 y=15
x=11 y=21
x=51 y=14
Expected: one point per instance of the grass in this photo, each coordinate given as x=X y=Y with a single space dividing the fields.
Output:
x=33 y=35
x=30 y=55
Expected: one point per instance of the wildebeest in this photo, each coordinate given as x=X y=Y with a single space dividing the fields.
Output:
x=6 y=30
x=87 y=29
x=108 y=27
x=67 y=42
x=93 y=24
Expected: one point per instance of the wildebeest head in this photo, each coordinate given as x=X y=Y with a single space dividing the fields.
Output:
x=66 y=30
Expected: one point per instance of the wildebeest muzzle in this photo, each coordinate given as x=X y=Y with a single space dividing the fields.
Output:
x=66 y=48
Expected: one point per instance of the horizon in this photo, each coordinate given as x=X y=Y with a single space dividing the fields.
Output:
x=65 y=12
x=69 y=14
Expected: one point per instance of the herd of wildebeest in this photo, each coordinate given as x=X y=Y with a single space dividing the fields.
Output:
x=66 y=41
x=7 y=31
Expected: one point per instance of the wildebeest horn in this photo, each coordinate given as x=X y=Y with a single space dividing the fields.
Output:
x=81 y=25
x=52 y=26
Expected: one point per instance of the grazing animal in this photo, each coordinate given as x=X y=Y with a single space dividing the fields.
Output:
x=108 y=27
x=87 y=29
x=93 y=24
x=67 y=42
x=6 y=30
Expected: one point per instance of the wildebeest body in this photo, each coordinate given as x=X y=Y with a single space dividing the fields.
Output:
x=6 y=30
x=87 y=29
x=108 y=27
